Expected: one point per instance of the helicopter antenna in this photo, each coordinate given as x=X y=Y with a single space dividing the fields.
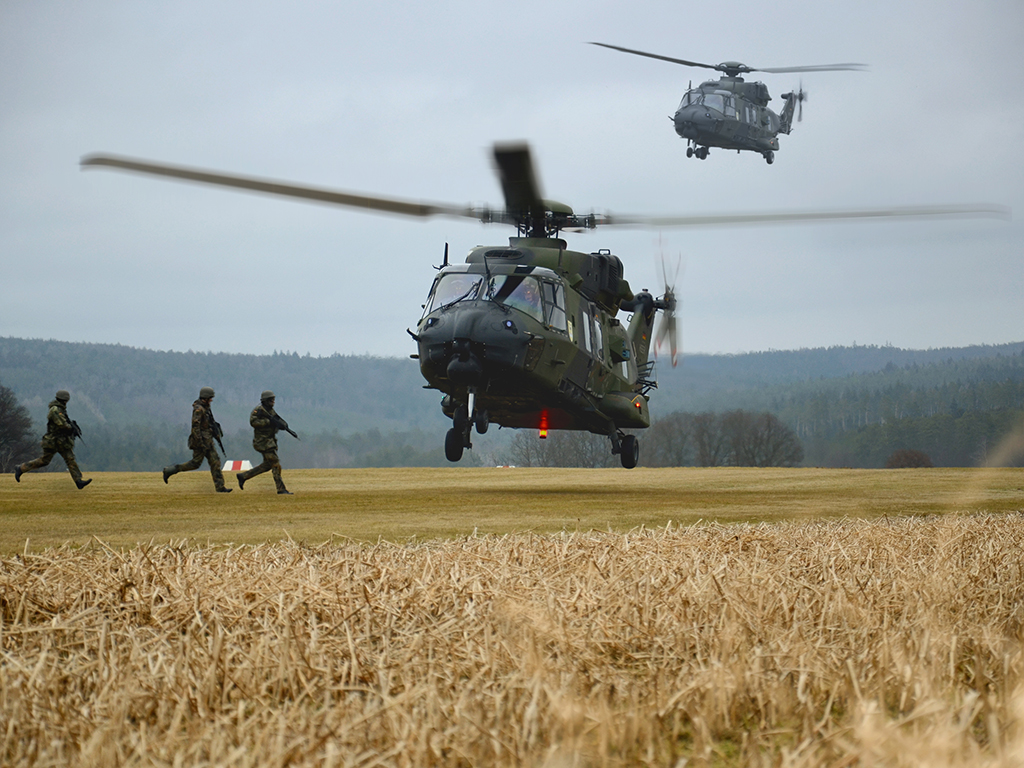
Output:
x=445 y=262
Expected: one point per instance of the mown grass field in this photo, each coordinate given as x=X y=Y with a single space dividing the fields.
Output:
x=810 y=618
x=122 y=509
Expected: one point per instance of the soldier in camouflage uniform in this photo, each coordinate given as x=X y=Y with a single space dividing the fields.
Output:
x=59 y=438
x=204 y=432
x=265 y=425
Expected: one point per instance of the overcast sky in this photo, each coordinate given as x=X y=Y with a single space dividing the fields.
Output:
x=405 y=99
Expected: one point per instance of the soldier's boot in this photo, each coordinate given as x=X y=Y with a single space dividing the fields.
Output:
x=168 y=471
x=241 y=481
x=82 y=483
x=222 y=489
x=285 y=492
x=17 y=474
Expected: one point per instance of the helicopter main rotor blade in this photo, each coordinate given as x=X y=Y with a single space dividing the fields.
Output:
x=684 y=62
x=983 y=210
x=848 y=67
x=523 y=198
x=734 y=68
x=266 y=186
x=518 y=179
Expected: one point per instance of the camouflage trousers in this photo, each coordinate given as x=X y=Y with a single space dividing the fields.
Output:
x=68 y=454
x=270 y=464
x=198 y=454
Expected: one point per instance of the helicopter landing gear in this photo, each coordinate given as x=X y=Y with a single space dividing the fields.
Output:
x=701 y=153
x=456 y=440
x=769 y=157
x=627 y=447
x=689 y=151
x=453 y=444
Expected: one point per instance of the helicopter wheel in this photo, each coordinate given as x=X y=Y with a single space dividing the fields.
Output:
x=769 y=157
x=483 y=421
x=630 y=453
x=453 y=444
x=689 y=151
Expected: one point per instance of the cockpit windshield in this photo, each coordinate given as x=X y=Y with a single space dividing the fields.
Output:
x=690 y=97
x=520 y=292
x=714 y=101
x=452 y=288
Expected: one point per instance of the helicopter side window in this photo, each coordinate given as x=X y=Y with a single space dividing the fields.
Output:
x=453 y=288
x=598 y=338
x=518 y=292
x=587 y=343
x=730 y=107
x=554 y=306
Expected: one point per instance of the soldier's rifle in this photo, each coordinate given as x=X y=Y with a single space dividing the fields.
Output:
x=218 y=432
x=280 y=423
x=76 y=431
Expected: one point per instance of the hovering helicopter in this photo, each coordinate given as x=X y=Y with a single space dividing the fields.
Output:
x=528 y=335
x=733 y=114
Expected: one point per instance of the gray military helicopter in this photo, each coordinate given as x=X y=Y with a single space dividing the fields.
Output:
x=528 y=335
x=731 y=113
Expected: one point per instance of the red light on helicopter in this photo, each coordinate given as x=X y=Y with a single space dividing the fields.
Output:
x=543 y=425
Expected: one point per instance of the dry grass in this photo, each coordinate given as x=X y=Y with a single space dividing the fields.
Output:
x=844 y=642
x=124 y=509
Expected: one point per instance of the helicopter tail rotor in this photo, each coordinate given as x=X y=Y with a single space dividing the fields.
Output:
x=669 y=324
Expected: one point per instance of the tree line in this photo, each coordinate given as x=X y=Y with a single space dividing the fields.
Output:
x=961 y=407
x=734 y=439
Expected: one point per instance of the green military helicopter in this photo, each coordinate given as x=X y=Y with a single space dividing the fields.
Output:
x=528 y=335
x=731 y=113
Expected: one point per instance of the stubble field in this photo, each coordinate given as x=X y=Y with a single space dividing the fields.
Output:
x=515 y=617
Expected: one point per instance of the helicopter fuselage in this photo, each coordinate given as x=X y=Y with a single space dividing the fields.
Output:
x=731 y=114
x=527 y=336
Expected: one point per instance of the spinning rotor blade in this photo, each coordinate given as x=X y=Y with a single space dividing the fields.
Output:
x=526 y=209
x=734 y=68
x=347 y=199
x=518 y=180
x=684 y=62
x=897 y=212
x=847 y=67
x=669 y=323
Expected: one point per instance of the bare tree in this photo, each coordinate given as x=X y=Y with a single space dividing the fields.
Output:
x=777 y=444
x=708 y=440
x=563 y=448
x=668 y=442
x=16 y=438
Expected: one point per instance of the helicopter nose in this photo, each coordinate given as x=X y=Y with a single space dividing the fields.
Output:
x=464 y=368
x=687 y=120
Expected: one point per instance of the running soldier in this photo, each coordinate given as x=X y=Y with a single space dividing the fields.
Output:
x=265 y=425
x=205 y=430
x=60 y=436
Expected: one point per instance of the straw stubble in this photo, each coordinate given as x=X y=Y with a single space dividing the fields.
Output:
x=886 y=642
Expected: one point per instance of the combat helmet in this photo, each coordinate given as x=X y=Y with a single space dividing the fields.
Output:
x=267 y=395
x=63 y=395
x=205 y=392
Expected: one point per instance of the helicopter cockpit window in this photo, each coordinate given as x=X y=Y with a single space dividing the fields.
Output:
x=714 y=101
x=453 y=288
x=554 y=306
x=518 y=292
x=690 y=97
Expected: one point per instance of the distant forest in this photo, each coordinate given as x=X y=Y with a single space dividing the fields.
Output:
x=849 y=406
